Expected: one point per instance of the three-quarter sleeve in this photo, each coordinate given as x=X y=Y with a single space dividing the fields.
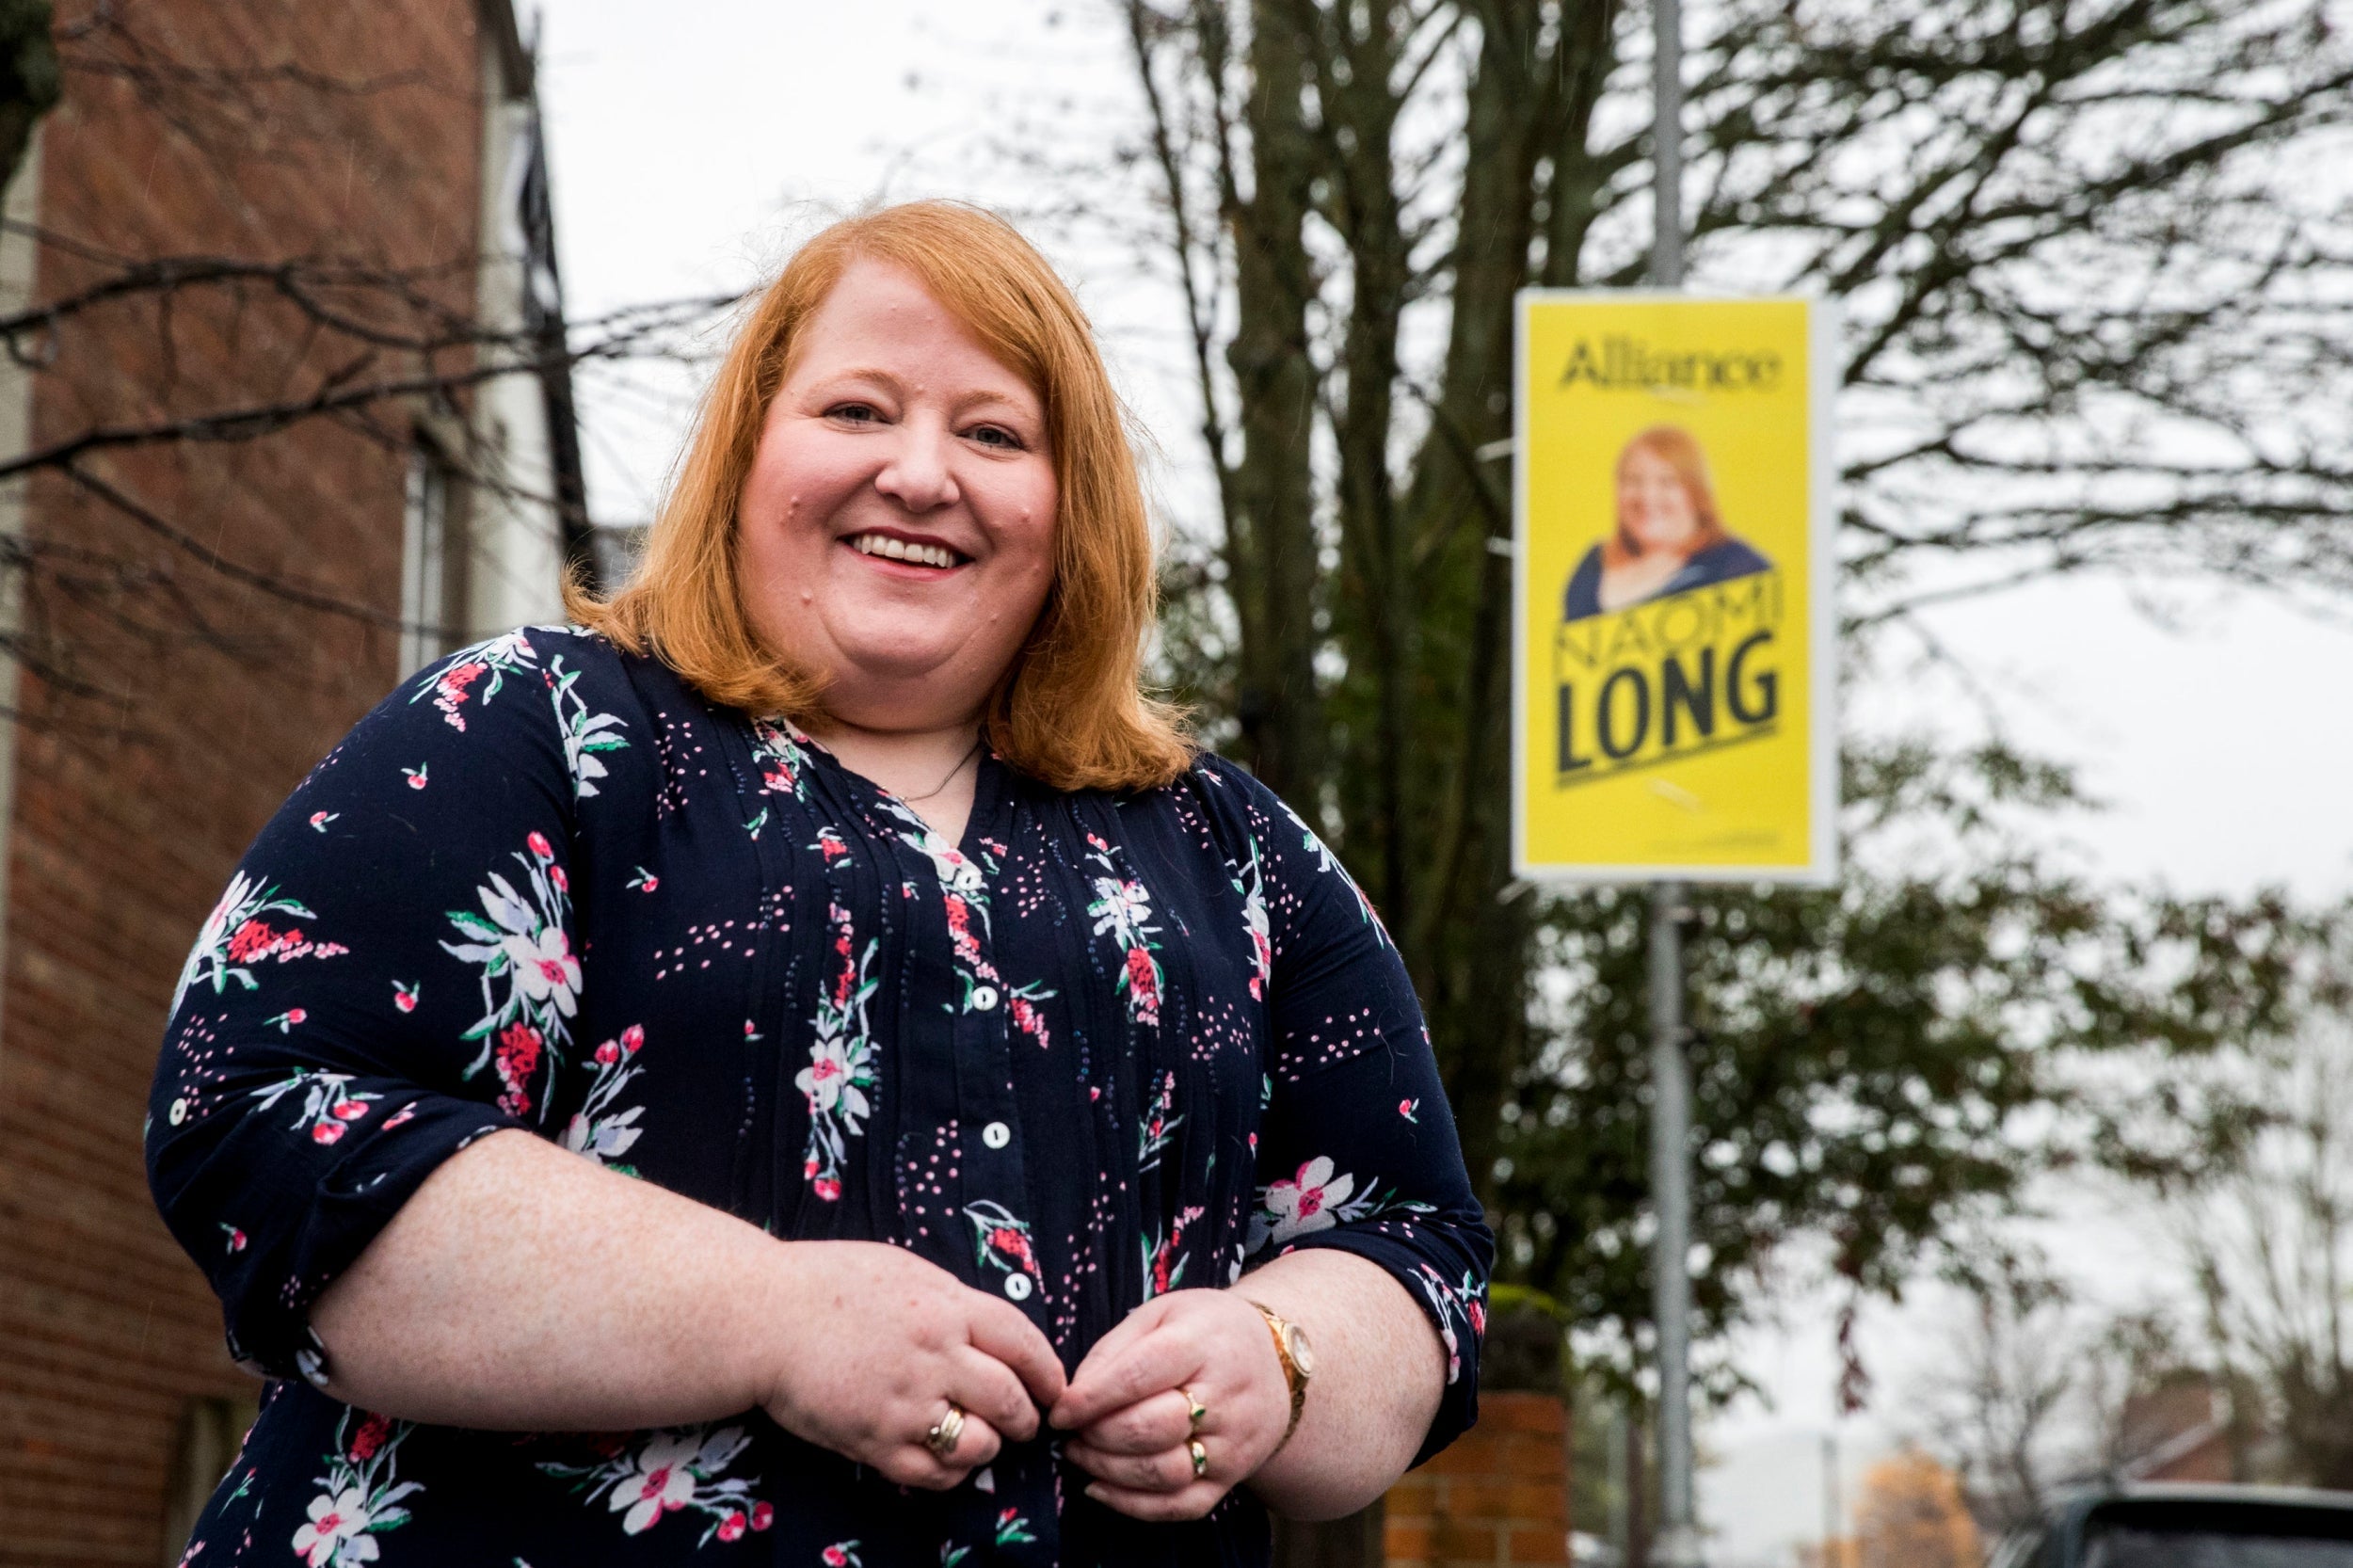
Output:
x=1357 y=1150
x=389 y=977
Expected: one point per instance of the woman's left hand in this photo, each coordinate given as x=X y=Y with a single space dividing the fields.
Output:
x=1129 y=1404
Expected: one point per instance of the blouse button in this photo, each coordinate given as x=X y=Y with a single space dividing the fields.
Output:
x=179 y=1110
x=984 y=997
x=1017 y=1287
x=996 y=1135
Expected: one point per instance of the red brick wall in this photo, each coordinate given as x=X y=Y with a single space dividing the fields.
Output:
x=183 y=704
x=1500 y=1495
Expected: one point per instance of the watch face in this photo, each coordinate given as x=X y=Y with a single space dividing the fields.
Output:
x=1295 y=1340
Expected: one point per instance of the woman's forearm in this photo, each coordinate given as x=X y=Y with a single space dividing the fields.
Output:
x=524 y=1288
x=1380 y=1371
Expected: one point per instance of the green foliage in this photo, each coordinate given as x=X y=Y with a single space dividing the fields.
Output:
x=2091 y=311
x=1883 y=1065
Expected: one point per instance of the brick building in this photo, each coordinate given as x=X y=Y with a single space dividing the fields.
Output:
x=299 y=486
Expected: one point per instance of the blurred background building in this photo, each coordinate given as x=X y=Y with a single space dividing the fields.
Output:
x=263 y=266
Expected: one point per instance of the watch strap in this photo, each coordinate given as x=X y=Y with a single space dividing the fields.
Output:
x=1278 y=1328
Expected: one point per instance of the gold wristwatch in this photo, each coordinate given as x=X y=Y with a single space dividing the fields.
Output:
x=1298 y=1358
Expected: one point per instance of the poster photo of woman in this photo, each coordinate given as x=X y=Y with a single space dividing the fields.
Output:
x=1670 y=538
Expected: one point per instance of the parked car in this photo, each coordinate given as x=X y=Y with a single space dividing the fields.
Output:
x=2151 y=1526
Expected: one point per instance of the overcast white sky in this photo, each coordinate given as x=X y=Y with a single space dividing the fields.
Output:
x=691 y=144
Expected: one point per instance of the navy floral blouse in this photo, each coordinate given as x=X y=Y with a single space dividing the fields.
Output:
x=1107 y=1046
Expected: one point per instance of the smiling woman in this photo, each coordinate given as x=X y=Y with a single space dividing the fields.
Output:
x=921 y=360
x=808 y=1063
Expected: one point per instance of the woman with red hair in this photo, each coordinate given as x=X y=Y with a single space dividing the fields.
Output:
x=809 y=1065
x=1668 y=537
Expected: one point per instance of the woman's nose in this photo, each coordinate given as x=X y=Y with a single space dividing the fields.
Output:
x=917 y=477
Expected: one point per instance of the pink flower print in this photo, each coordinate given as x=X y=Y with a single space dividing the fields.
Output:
x=732 y=1528
x=1304 y=1204
x=1478 y=1310
x=326 y=1132
x=320 y=819
x=608 y=1053
x=516 y=1058
x=826 y=1187
x=349 y=1111
x=334 y=1521
x=545 y=970
x=830 y=844
x=236 y=1238
x=1407 y=1108
x=370 y=1437
x=563 y=882
x=1029 y=1021
x=837 y=1555
x=406 y=1113
x=416 y=776
x=404 y=996
x=659 y=1483
x=285 y=1022
x=645 y=881
x=449 y=692
x=1014 y=1245
x=634 y=1038
x=1144 y=985
x=255 y=940
x=538 y=843
x=763 y=1516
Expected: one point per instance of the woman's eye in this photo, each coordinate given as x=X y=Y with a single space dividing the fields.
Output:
x=854 y=413
x=997 y=435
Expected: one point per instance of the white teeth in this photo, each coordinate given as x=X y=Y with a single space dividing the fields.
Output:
x=901 y=550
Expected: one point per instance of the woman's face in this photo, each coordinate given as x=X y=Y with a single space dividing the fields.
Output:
x=1653 y=508
x=896 y=532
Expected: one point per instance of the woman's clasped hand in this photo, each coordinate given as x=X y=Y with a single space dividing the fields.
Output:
x=1130 y=1406
x=932 y=1342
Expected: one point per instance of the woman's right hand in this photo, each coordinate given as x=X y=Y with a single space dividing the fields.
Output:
x=874 y=1343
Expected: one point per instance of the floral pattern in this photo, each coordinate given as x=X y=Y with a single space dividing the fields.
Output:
x=1317 y=1198
x=1123 y=910
x=530 y=976
x=597 y=1130
x=488 y=663
x=839 y=1081
x=361 y=1497
x=1100 y=1048
x=235 y=937
x=673 y=1471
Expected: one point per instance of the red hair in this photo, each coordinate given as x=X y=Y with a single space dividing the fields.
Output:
x=1680 y=451
x=1071 y=709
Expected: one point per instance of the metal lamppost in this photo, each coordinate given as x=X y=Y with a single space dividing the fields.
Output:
x=1678 y=1540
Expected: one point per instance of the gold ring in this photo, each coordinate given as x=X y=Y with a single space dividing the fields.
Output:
x=1195 y=1411
x=941 y=1439
x=1200 y=1458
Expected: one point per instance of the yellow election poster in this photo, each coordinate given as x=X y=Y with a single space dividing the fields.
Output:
x=1673 y=675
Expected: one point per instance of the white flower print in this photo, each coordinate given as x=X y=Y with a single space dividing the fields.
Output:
x=530 y=975
x=597 y=1131
x=840 y=1065
x=329 y=1103
x=1305 y=1203
x=1250 y=883
x=1123 y=910
x=586 y=734
x=672 y=1471
x=359 y=1498
x=236 y=936
x=777 y=746
x=334 y=1534
x=1330 y=865
x=1317 y=1198
x=1451 y=1305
